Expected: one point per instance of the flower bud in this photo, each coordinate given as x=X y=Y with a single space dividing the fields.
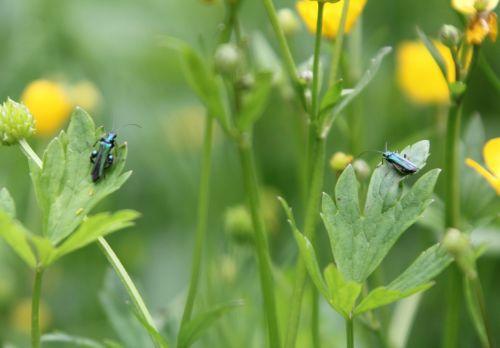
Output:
x=288 y=21
x=449 y=35
x=16 y=122
x=238 y=224
x=227 y=58
x=339 y=161
x=460 y=247
x=305 y=76
x=227 y=269
x=361 y=168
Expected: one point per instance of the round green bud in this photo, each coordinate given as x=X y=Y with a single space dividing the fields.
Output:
x=238 y=224
x=288 y=21
x=227 y=58
x=455 y=242
x=449 y=35
x=16 y=122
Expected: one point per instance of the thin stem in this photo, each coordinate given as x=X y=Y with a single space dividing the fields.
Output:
x=201 y=227
x=286 y=54
x=134 y=294
x=315 y=172
x=478 y=292
x=349 y=331
x=260 y=239
x=315 y=318
x=35 y=308
x=489 y=73
x=28 y=151
x=316 y=57
x=339 y=41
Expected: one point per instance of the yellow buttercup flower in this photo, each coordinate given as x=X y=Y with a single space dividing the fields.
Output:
x=308 y=10
x=20 y=317
x=491 y=154
x=482 y=20
x=419 y=75
x=49 y=103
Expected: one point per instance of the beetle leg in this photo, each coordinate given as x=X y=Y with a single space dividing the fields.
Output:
x=93 y=155
x=109 y=161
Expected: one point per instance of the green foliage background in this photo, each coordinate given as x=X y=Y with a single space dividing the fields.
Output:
x=118 y=46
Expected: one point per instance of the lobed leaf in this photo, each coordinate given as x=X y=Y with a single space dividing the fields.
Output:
x=360 y=240
x=343 y=293
x=416 y=278
x=64 y=189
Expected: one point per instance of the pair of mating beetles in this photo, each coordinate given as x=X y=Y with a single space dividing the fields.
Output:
x=102 y=158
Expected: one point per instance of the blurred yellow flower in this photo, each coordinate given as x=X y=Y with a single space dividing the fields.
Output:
x=491 y=154
x=419 y=75
x=85 y=95
x=482 y=20
x=49 y=103
x=20 y=318
x=308 y=10
x=339 y=161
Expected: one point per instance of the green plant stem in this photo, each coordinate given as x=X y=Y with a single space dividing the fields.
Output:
x=478 y=292
x=315 y=169
x=110 y=255
x=286 y=54
x=452 y=214
x=201 y=225
x=35 y=308
x=489 y=73
x=260 y=238
x=129 y=285
x=339 y=43
x=349 y=331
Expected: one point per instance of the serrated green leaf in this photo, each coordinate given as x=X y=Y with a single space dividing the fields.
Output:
x=202 y=79
x=64 y=189
x=367 y=77
x=414 y=279
x=343 y=293
x=94 y=227
x=436 y=55
x=14 y=234
x=254 y=102
x=306 y=252
x=359 y=240
x=7 y=203
x=198 y=325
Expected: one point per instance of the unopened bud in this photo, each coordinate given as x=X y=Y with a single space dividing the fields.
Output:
x=339 y=161
x=16 y=122
x=227 y=58
x=289 y=22
x=449 y=35
x=460 y=247
x=305 y=76
x=361 y=168
x=238 y=224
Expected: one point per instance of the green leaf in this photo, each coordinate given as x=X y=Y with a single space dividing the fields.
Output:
x=414 y=279
x=7 y=203
x=343 y=293
x=202 y=79
x=360 y=240
x=64 y=189
x=307 y=253
x=198 y=325
x=74 y=341
x=29 y=247
x=436 y=55
x=367 y=77
x=254 y=102
x=331 y=97
x=94 y=227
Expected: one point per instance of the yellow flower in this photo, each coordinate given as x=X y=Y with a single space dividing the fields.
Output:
x=20 y=317
x=482 y=20
x=49 y=104
x=308 y=10
x=491 y=154
x=419 y=75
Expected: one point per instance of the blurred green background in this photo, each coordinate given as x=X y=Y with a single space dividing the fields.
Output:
x=117 y=45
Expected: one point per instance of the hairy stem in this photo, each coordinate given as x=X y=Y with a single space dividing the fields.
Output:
x=201 y=225
x=260 y=238
x=35 y=308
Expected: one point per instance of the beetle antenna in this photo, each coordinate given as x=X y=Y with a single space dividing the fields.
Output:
x=366 y=151
x=128 y=125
